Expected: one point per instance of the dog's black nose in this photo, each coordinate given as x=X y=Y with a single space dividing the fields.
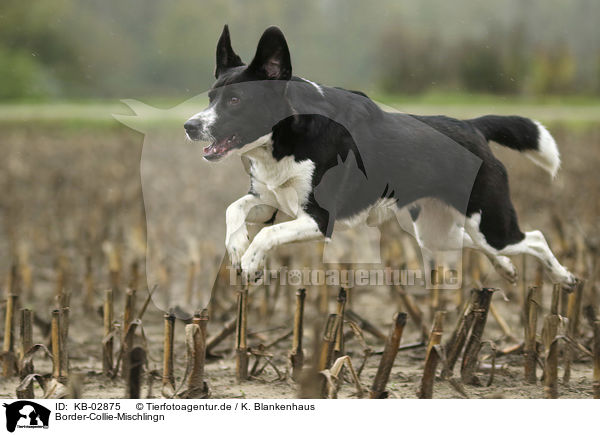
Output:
x=192 y=128
x=192 y=125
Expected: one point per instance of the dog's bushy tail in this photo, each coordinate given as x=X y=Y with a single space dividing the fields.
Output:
x=521 y=134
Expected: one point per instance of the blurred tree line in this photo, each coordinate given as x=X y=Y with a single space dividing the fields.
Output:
x=138 y=48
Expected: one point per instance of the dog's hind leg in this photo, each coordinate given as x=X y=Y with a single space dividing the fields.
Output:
x=535 y=244
x=532 y=243
x=494 y=228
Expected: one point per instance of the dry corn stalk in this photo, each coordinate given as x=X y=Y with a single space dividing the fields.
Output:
x=128 y=312
x=331 y=377
x=311 y=384
x=297 y=354
x=25 y=388
x=241 y=348
x=137 y=360
x=387 y=359
x=114 y=265
x=59 y=371
x=9 y=360
x=327 y=346
x=473 y=346
x=26 y=336
x=356 y=332
x=126 y=345
x=597 y=359
x=435 y=298
x=26 y=367
x=573 y=311
x=328 y=342
x=524 y=290
x=196 y=346
x=107 y=348
x=550 y=342
x=168 y=378
x=64 y=336
x=339 y=338
x=530 y=345
x=127 y=339
x=431 y=357
x=459 y=336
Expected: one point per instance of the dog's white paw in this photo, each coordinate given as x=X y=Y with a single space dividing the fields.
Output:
x=252 y=262
x=506 y=268
x=560 y=275
x=569 y=281
x=237 y=245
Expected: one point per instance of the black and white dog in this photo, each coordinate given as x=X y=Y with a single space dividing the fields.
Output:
x=292 y=132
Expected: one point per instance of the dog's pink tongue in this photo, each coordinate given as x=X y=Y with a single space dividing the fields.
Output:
x=219 y=147
x=214 y=148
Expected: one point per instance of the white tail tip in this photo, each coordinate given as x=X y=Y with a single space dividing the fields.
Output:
x=547 y=155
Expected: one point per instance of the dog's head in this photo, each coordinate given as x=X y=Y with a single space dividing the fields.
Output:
x=246 y=101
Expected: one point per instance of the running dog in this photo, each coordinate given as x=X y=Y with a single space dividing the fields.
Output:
x=291 y=131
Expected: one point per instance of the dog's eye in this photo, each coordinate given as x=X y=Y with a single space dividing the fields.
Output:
x=234 y=100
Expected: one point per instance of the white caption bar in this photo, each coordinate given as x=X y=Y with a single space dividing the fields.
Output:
x=309 y=417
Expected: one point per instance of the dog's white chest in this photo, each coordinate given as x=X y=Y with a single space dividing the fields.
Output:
x=284 y=184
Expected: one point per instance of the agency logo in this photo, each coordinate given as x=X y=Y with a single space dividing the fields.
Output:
x=24 y=414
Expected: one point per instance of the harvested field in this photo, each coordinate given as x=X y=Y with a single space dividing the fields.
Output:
x=74 y=221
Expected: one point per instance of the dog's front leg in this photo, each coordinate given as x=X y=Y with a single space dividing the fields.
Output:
x=248 y=208
x=303 y=228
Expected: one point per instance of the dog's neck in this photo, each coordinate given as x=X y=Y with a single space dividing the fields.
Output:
x=260 y=149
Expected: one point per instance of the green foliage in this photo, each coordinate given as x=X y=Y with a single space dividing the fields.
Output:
x=484 y=66
x=139 y=48
x=553 y=71
x=410 y=64
x=22 y=76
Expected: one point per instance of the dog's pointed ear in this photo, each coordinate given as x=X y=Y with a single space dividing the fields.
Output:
x=272 y=58
x=226 y=57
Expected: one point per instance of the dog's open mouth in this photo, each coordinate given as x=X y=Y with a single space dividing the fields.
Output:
x=219 y=148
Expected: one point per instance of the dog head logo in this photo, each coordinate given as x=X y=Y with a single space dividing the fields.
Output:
x=26 y=414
